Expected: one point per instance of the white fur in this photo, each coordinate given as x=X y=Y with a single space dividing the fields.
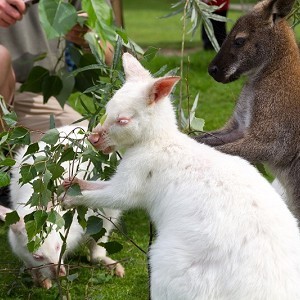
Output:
x=50 y=250
x=223 y=233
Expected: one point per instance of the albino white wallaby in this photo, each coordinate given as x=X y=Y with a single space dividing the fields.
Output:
x=48 y=254
x=265 y=125
x=222 y=230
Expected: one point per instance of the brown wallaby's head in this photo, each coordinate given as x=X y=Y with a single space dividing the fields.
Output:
x=253 y=42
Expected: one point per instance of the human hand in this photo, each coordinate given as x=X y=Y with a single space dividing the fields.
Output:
x=11 y=11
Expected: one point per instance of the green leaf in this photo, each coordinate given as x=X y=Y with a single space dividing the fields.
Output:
x=68 y=83
x=32 y=148
x=47 y=177
x=57 y=17
x=20 y=135
x=197 y=124
x=31 y=229
x=11 y=218
x=40 y=217
x=99 y=235
x=51 y=136
x=3 y=137
x=68 y=217
x=55 y=218
x=40 y=163
x=94 y=225
x=150 y=53
x=67 y=155
x=34 y=245
x=35 y=80
x=10 y=118
x=81 y=211
x=4 y=179
x=7 y=162
x=56 y=170
x=74 y=190
x=52 y=86
x=28 y=172
x=112 y=247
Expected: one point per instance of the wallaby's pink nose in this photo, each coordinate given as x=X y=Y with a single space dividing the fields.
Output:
x=94 y=138
x=62 y=271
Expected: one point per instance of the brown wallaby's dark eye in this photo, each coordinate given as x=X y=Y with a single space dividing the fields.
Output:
x=239 y=42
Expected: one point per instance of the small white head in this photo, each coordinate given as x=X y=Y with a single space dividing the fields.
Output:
x=138 y=111
x=44 y=261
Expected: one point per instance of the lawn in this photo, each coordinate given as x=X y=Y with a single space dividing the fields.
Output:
x=145 y=25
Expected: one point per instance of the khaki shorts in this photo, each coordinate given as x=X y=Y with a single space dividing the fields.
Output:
x=35 y=115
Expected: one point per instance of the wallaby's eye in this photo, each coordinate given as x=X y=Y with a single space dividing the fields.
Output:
x=38 y=257
x=239 y=42
x=123 y=121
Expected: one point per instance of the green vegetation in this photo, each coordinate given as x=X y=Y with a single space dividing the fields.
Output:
x=144 y=25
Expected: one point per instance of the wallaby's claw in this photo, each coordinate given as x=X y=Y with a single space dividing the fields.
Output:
x=69 y=182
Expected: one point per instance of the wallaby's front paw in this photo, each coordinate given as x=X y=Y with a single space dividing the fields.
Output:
x=119 y=270
x=68 y=202
x=69 y=182
x=209 y=139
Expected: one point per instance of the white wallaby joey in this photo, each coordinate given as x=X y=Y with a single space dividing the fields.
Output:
x=222 y=230
x=43 y=263
x=265 y=125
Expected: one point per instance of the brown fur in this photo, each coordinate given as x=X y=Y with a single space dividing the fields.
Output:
x=265 y=126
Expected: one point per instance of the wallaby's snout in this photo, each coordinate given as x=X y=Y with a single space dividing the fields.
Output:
x=215 y=72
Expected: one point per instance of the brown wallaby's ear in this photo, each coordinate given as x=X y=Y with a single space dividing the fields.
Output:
x=133 y=69
x=162 y=88
x=275 y=10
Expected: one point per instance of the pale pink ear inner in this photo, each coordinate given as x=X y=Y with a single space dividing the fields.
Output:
x=162 y=88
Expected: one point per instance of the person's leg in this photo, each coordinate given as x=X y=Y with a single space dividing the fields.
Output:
x=7 y=80
x=35 y=115
x=220 y=28
x=7 y=76
x=219 y=31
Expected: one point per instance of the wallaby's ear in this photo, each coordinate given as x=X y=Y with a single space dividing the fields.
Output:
x=3 y=211
x=276 y=10
x=162 y=88
x=133 y=69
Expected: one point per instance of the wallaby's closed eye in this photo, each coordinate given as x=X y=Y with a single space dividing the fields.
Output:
x=222 y=230
x=265 y=125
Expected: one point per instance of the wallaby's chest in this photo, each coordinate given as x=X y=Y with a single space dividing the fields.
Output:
x=244 y=108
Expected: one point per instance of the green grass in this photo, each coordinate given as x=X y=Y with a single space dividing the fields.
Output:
x=144 y=25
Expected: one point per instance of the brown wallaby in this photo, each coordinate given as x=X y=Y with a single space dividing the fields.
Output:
x=265 y=125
